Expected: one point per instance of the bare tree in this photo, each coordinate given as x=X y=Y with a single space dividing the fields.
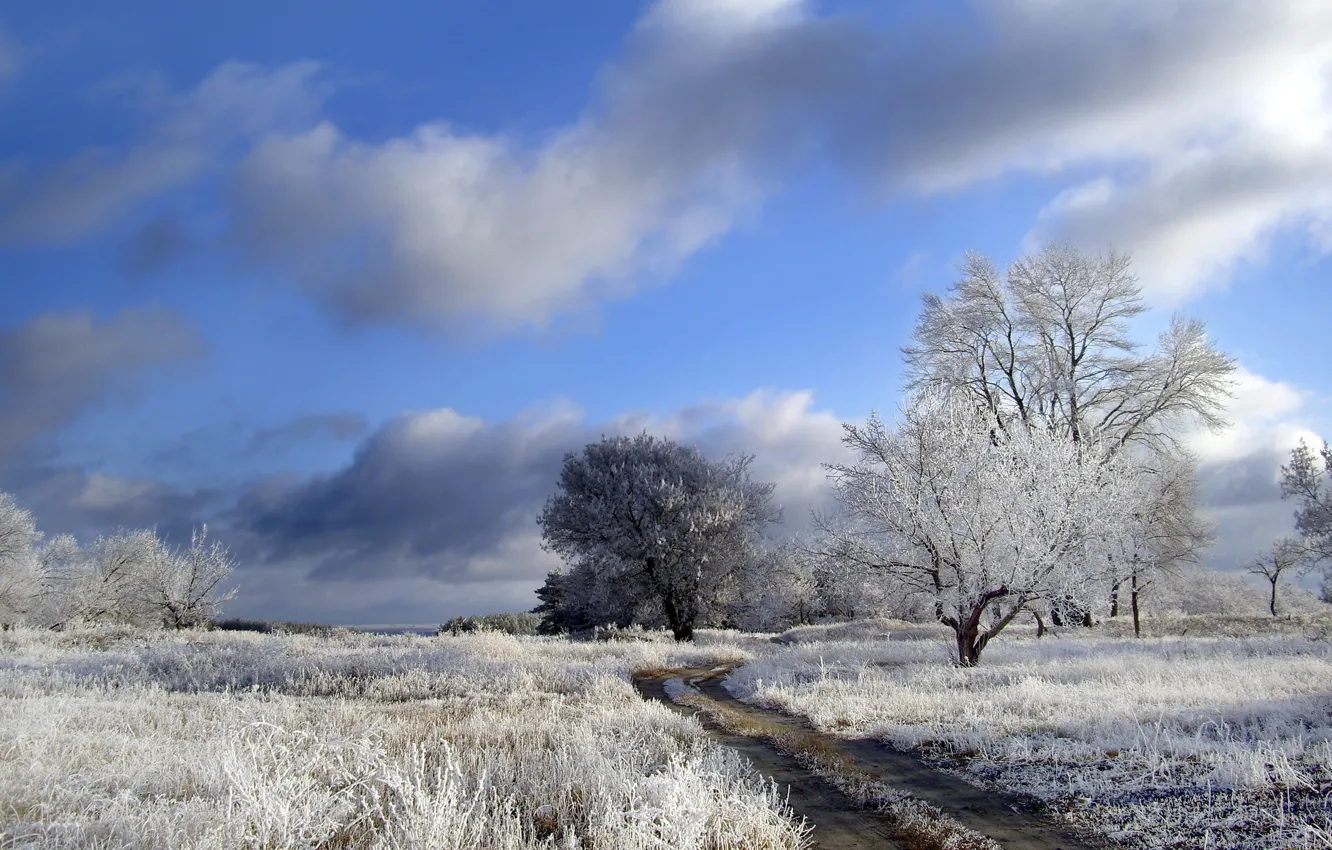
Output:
x=982 y=523
x=1048 y=344
x=20 y=573
x=657 y=520
x=1307 y=479
x=102 y=582
x=1283 y=556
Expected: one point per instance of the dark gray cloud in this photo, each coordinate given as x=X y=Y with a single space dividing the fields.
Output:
x=72 y=500
x=426 y=493
x=56 y=366
x=1238 y=477
x=1242 y=498
x=448 y=497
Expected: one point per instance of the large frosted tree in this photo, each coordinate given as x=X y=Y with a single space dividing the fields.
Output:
x=655 y=523
x=1048 y=344
x=983 y=523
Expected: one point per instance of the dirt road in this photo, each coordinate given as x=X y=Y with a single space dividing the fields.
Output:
x=838 y=821
x=838 y=825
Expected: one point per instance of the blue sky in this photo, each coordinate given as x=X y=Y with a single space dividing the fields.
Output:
x=345 y=281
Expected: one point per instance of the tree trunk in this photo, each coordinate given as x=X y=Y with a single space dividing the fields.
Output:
x=1040 y=624
x=968 y=647
x=1114 y=599
x=1133 y=598
x=1271 y=605
x=682 y=625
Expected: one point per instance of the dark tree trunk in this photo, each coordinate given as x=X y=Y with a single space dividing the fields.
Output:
x=1040 y=624
x=968 y=647
x=1271 y=605
x=970 y=640
x=1114 y=599
x=680 y=618
x=1133 y=599
x=682 y=625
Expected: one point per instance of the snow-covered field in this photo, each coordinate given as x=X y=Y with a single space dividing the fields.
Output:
x=1182 y=741
x=114 y=739
x=117 y=738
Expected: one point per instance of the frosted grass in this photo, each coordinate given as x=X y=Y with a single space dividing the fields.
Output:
x=1206 y=742
x=117 y=739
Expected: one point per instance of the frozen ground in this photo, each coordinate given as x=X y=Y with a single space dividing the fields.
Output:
x=211 y=740
x=1181 y=741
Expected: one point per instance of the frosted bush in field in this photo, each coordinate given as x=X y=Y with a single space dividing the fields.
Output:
x=122 y=738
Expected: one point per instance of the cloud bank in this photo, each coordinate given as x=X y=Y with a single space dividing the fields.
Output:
x=446 y=498
x=56 y=366
x=1191 y=132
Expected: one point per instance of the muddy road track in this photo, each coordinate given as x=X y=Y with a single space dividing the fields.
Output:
x=839 y=822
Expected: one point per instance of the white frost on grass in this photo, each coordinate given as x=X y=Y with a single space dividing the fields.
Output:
x=1171 y=742
x=219 y=740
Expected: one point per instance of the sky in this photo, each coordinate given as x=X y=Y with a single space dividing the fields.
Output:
x=347 y=280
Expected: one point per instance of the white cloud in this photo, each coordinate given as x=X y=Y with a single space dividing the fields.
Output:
x=103 y=492
x=1240 y=467
x=1207 y=121
x=1194 y=218
x=1264 y=416
x=1196 y=129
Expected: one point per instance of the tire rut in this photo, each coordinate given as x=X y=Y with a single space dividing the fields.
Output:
x=1010 y=821
x=838 y=825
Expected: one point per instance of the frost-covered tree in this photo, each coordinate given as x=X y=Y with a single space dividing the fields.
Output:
x=1284 y=556
x=981 y=522
x=1048 y=344
x=1169 y=532
x=581 y=600
x=186 y=587
x=1307 y=479
x=133 y=577
x=20 y=572
x=656 y=522
x=103 y=581
x=778 y=589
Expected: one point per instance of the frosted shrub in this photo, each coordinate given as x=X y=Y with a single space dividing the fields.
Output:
x=122 y=739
